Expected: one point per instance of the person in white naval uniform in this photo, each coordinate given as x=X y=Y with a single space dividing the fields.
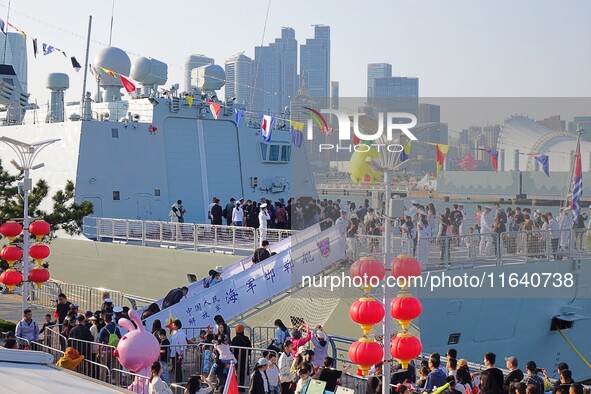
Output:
x=424 y=234
x=485 y=231
x=263 y=217
x=463 y=222
x=409 y=232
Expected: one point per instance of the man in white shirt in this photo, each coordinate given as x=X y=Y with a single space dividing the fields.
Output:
x=178 y=344
x=342 y=223
x=263 y=217
x=554 y=232
x=485 y=231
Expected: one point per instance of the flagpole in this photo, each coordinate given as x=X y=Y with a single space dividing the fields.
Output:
x=572 y=167
x=6 y=34
x=86 y=65
x=111 y=29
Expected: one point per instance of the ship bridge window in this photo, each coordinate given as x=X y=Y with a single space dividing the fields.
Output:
x=275 y=152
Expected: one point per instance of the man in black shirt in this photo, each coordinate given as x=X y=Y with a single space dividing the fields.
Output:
x=497 y=374
x=560 y=367
x=174 y=297
x=261 y=253
x=515 y=374
x=216 y=213
x=519 y=218
x=62 y=308
x=329 y=375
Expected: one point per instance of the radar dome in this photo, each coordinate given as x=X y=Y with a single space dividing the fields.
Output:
x=58 y=82
x=149 y=71
x=211 y=77
x=113 y=59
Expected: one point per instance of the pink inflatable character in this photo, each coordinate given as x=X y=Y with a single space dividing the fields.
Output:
x=136 y=351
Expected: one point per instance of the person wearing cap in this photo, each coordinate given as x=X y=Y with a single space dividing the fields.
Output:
x=320 y=341
x=241 y=343
x=424 y=234
x=215 y=277
x=107 y=305
x=27 y=328
x=533 y=378
x=259 y=382
x=237 y=214
x=174 y=296
x=485 y=231
x=408 y=231
x=70 y=360
x=515 y=374
x=264 y=217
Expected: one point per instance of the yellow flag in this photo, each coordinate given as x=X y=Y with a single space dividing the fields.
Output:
x=299 y=126
x=441 y=152
x=190 y=100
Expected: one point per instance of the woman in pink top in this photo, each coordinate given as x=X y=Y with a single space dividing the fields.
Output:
x=297 y=340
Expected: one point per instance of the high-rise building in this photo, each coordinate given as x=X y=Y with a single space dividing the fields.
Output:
x=553 y=123
x=374 y=71
x=275 y=76
x=15 y=55
x=397 y=94
x=239 y=72
x=429 y=113
x=334 y=94
x=491 y=133
x=315 y=63
x=192 y=62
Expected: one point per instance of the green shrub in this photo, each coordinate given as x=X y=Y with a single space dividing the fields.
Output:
x=7 y=326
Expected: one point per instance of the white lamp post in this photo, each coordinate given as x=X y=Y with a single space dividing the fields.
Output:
x=26 y=154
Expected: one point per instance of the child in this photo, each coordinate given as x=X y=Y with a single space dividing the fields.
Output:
x=225 y=355
x=304 y=379
x=471 y=242
x=164 y=349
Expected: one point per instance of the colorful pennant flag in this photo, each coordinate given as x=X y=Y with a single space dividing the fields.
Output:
x=239 y=115
x=543 y=160
x=441 y=152
x=111 y=73
x=297 y=137
x=2 y=26
x=75 y=64
x=405 y=154
x=299 y=126
x=47 y=49
x=267 y=127
x=214 y=108
x=494 y=158
x=17 y=29
x=35 y=50
x=127 y=84
x=577 y=185
x=91 y=69
x=189 y=100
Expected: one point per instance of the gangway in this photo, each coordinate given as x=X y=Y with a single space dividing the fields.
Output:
x=246 y=286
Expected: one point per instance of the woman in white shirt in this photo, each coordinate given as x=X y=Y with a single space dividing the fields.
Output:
x=237 y=215
x=157 y=385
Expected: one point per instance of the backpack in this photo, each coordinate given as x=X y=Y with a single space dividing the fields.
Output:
x=113 y=338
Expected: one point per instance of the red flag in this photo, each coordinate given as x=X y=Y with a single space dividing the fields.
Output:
x=214 y=108
x=441 y=152
x=231 y=386
x=127 y=84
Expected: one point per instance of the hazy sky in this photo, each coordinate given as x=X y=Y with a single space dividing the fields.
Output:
x=456 y=47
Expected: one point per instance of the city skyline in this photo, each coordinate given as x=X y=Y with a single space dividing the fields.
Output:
x=450 y=58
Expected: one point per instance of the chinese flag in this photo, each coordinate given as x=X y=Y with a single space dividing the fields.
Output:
x=127 y=84
x=231 y=386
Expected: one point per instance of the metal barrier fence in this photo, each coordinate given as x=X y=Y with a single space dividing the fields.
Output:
x=181 y=235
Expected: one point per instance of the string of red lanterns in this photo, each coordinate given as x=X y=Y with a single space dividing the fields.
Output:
x=12 y=253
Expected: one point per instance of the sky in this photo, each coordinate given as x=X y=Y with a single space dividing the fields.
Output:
x=457 y=48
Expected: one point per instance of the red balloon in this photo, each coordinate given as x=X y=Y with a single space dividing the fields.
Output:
x=39 y=252
x=365 y=353
x=39 y=275
x=11 y=278
x=405 y=347
x=405 y=308
x=39 y=228
x=365 y=268
x=11 y=253
x=405 y=266
x=11 y=229
x=366 y=312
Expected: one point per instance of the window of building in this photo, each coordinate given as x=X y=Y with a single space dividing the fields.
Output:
x=275 y=152
x=116 y=195
x=115 y=133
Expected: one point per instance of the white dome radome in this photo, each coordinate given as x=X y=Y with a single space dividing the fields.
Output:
x=113 y=59
x=149 y=71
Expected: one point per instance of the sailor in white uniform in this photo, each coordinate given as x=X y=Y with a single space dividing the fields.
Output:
x=486 y=239
x=565 y=224
x=424 y=234
x=263 y=217
x=464 y=217
x=409 y=233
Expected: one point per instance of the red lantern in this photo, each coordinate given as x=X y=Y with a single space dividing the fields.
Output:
x=405 y=347
x=367 y=312
x=405 y=266
x=365 y=353
x=11 y=278
x=39 y=228
x=39 y=275
x=405 y=308
x=39 y=252
x=365 y=268
x=11 y=230
x=11 y=253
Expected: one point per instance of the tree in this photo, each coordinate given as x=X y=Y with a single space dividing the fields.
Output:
x=67 y=215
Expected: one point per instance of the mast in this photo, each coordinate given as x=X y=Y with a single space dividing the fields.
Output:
x=86 y=63
x=580 y=132
x=6 y=35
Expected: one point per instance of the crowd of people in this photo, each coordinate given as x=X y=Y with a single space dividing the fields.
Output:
x=456 y=376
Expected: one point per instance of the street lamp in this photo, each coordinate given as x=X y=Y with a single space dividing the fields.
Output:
x=26 y=154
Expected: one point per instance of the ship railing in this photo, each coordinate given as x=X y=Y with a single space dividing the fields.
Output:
x=86 y=297
x=181 y=235
x=456 y=251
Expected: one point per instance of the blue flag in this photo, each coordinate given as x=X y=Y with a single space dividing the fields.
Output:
x=543 y=160
x=47 y=49
x=297 y=137
x=2 y=26
x=239 y=115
